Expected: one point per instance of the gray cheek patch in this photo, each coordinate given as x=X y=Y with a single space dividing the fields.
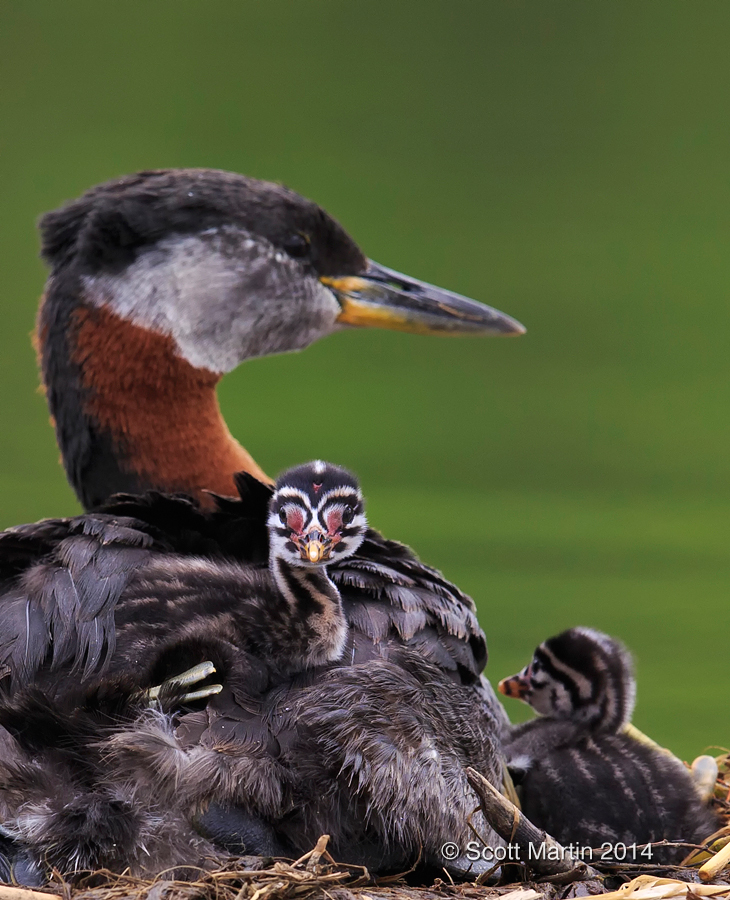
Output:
x=550 y=698
x=223 y=295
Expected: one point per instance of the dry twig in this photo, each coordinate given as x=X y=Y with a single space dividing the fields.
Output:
x=542 y=853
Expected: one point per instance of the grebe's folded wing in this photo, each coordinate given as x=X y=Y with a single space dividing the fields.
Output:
x=61 y=580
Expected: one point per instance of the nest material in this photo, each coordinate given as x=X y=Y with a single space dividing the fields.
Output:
x=721 y=796
x=317 y=877
x=325 y=881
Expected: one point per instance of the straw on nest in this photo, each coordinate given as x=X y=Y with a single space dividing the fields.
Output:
x=308 y=879
x=721 y=794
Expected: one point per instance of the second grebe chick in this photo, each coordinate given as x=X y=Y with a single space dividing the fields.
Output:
x=583 y=775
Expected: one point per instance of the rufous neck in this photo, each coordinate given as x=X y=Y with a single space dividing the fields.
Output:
x=141 y=417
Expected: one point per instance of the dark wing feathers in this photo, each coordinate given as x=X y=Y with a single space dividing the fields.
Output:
x=372 y=620
x=61 y=581
x=62 y=603
x=236 y=529
x=386 y=589
x=23 y=545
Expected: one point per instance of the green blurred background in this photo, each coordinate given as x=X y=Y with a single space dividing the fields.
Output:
x=567 y=162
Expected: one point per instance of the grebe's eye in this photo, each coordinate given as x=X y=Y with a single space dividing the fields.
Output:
x=347 y=515
x=297 y=245
x=282 y=516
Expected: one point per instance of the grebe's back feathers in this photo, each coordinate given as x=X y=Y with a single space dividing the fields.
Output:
x=62 y=580
x=60 y=603
x=335 y=742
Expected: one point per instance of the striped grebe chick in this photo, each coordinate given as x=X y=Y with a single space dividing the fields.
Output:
x=316 y=517
x=585 y=775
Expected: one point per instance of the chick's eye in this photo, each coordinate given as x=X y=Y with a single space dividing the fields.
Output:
x=282 y=516
x=297 y=245
x=347 y=515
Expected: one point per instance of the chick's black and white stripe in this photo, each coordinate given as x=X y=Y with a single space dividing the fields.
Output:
x=324 y=495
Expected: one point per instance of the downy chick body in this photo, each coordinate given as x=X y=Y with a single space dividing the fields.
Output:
x=582 y=777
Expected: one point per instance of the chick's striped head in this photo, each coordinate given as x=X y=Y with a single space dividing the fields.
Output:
x=316 y=515
x=580 y=674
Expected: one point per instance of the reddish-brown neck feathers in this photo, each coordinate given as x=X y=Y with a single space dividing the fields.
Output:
x=159 y=411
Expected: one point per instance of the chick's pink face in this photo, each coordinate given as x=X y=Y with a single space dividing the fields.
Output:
x=333 y=520
x=294 y=516
x=312 y=534
x=323 y=525
x=316 y=519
